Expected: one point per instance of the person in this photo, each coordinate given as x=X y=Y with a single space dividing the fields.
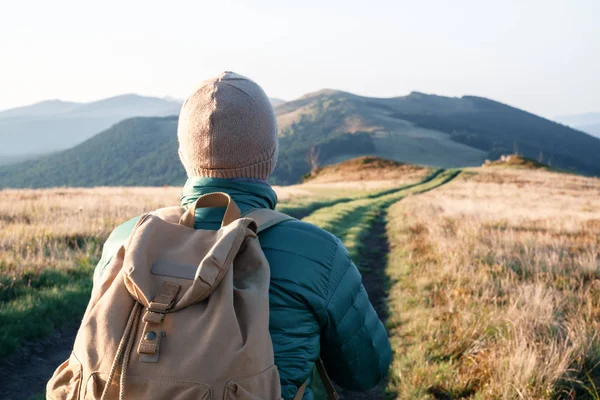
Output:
x=227 y=136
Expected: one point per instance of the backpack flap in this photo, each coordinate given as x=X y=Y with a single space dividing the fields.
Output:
x=196 y=260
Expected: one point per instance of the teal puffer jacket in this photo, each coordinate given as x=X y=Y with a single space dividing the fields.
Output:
x=318 y=304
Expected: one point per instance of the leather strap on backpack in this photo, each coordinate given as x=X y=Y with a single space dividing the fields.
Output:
x=266 y=218
x=210 y=200
x=327 y=383
x=329 y=388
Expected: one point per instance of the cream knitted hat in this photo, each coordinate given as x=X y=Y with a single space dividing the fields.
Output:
x=227 y=129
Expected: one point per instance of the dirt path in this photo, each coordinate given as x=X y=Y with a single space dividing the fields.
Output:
x=373 y=259
x=25 y=373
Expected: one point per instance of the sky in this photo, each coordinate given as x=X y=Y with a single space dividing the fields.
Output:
x=539 y=55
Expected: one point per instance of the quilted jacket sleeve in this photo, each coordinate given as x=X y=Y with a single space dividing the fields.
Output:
x=116 y=239
x=354 y=344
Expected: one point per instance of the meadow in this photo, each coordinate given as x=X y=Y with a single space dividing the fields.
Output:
x=488 y=279
x=495 y=288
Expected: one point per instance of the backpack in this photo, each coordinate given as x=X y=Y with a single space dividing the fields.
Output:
x=180 y=314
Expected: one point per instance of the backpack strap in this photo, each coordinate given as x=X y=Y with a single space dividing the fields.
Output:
x=329 y=388
x=266 y=218
x=300 y=393
x=327 y=383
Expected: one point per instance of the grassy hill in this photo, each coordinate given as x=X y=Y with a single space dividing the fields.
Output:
x=427 y=129
x=516 y=161
x=366 y=168
x=343 y=125
x=332 y=126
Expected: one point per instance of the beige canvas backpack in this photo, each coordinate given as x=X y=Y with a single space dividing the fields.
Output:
x=179 y=314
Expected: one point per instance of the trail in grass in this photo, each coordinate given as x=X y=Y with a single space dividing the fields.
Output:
x=303 y=210
x=372 y=259
x=361 y=225
x=351 y=220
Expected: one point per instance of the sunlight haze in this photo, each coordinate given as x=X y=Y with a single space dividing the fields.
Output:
x=542 y=56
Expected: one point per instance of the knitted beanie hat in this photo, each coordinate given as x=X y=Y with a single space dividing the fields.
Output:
x=227 y=129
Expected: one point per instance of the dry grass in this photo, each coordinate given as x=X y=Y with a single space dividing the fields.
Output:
x=51 y=240
x=369 y=170
x=54 y=228
x=495 y=288
x=349 y=188
x=494 y=278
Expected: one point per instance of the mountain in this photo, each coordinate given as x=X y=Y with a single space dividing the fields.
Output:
x=343 y=125
x=276 y=101
x=592 y=129
x=424 y=129
x=580 y=119
x=7 y=159
x=43 y=108
x=137 y=151
x=52 y=125
x=323 y=128
x=56 y=125
x=588 y=122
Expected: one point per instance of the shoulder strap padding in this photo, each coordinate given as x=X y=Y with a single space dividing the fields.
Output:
x=266 y=218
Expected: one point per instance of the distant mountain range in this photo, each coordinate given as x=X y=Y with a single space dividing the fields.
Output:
x=332 y=126
x=48 y=126
x=589 y=122
x=276 y=101
x=55 y=125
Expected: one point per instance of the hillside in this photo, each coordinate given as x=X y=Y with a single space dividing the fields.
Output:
x=425 y=129
x=333 y=126
x=137 y=151
x=6 y=159
x=367 y=168
x=275 y=101
x=343 y=125
x=57 y=125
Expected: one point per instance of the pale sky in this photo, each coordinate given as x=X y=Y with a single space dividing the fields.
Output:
x=539 y=55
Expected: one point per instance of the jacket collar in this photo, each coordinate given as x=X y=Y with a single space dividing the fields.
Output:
x=247 y=193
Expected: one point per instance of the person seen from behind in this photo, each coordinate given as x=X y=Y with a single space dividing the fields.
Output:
x=318 y=306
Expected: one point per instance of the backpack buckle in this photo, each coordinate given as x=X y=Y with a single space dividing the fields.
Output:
x=155 y=315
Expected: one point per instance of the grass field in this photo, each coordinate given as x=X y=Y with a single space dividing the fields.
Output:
x=490 y=290
x=50 y=241
x=495 y=288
